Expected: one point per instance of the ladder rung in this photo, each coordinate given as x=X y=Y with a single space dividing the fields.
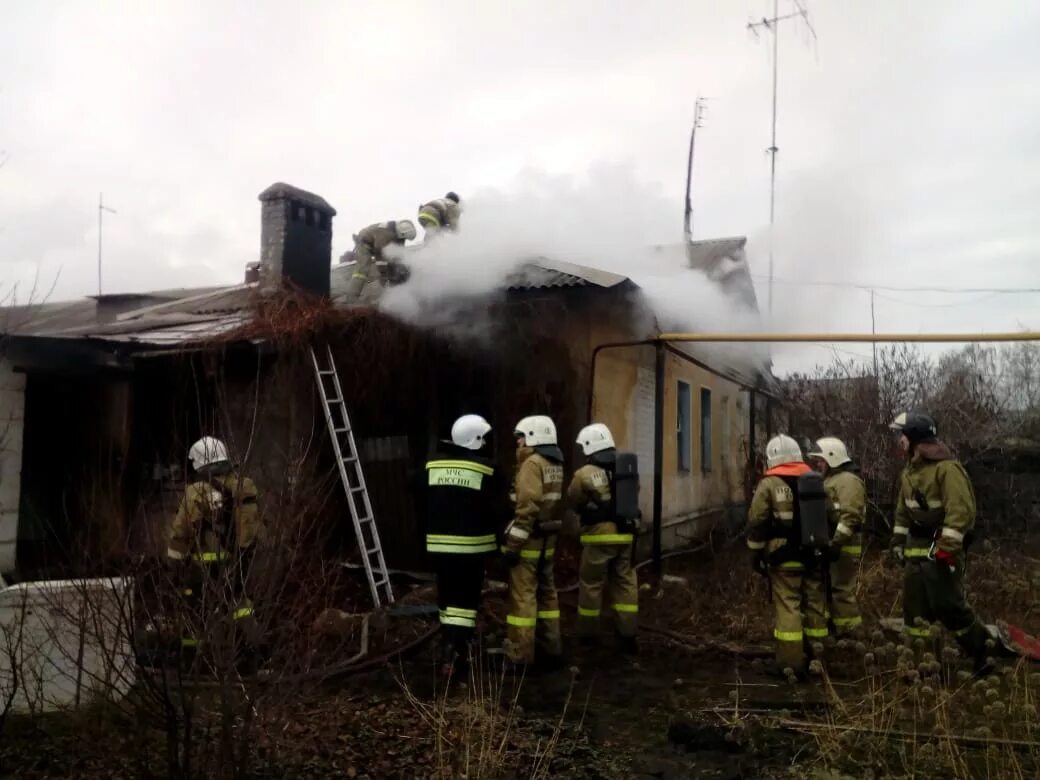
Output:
x=350 y=459
x=341 y=430
x=335 y=400
x=325 y=372
x=357 y=489
x=380 y=583
x=365 y=519
x=373 y=551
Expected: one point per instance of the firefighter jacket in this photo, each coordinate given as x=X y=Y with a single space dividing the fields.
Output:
x=771 y=518
x=464 y=502
x=589 y=494
x=439 y=213
x=216 y=517
x=369 y=244
x=538 y=489
x=936 y=502
x=847 y=505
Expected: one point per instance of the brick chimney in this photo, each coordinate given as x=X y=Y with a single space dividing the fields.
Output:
x=295 y=239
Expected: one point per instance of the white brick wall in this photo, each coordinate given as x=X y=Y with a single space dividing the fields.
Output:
x=12 y=420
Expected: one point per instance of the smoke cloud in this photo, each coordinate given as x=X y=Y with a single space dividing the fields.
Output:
x=607 y=219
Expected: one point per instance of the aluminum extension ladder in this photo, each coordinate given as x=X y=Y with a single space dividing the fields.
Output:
x=353 y=478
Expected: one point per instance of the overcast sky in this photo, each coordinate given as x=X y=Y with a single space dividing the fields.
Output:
x=909 y=135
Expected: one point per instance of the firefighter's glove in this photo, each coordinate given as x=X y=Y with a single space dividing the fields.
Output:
x=758 y=562
x=947 y=559
x=896 y=554
x=511 y=557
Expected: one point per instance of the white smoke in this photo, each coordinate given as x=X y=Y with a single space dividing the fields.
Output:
x=607 y=220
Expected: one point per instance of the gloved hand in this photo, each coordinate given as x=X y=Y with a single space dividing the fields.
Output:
x=946 y=558
x=896 y=554
x=758 y=562
x=511 y=557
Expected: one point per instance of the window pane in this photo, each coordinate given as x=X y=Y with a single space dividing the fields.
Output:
x=683 y=434
x=705 y=429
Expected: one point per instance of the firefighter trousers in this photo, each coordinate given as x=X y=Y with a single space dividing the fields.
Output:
x=460 y=580
x=799 y=603
x=845 y=614
x=534 y=610
x=931 y=592
x=606 y=570
x=216 y=613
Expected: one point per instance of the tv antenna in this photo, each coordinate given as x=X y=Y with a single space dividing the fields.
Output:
x=772 y=24
x=699 y=112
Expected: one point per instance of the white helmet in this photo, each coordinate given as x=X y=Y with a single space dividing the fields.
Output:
x=537 y=430
x=207 y=451
x=595 y=438
x=469 y=431
x=782 y=449
x=405 y=229
x=831 y=450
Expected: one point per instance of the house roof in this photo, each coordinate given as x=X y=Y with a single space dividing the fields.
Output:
x=543 y=273
x=171 y=318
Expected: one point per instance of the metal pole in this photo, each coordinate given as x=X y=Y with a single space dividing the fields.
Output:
x=100 y=209
x=772 y=153
x=688 y=209
x=873 y=329
x=862 y=338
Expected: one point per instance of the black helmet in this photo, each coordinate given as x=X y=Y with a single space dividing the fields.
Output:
x=916 y=426
x=452 y=197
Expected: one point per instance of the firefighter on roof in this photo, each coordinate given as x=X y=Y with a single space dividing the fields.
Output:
x=464 y=503
x=847 y=508
x=606 y=558
x=440 y=214
x=372 y=271
x=211 y=542
x=530 y=544
x=773 y=536
x=935 y=513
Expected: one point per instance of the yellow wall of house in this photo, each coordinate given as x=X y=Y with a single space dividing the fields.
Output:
x=624 y=400
x=704 y=485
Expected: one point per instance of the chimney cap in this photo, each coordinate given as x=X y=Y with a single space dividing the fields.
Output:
x=282 y=191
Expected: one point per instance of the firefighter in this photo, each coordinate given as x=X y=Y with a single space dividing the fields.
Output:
x=530 y=544
x=606 y=558
x=847 y=508
x=774 y=539
x=935 y=512
x=440 y=214
x=463 y=519
x=372 y=271
x=211 y=543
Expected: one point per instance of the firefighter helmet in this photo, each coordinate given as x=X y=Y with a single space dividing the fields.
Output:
x=831 y=450
x=469 y=431
x=207 y=451
x=404 y=230
x=782 y=449
x=595 y=438
x=537 y=430
x=915 y=426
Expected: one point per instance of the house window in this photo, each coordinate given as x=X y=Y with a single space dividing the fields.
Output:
x=705 y=429
x=682 y=417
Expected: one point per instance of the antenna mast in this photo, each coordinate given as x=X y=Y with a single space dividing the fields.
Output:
x=699 y=112
x=773 y=25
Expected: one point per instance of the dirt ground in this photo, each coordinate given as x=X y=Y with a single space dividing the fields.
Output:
x=698 y=703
